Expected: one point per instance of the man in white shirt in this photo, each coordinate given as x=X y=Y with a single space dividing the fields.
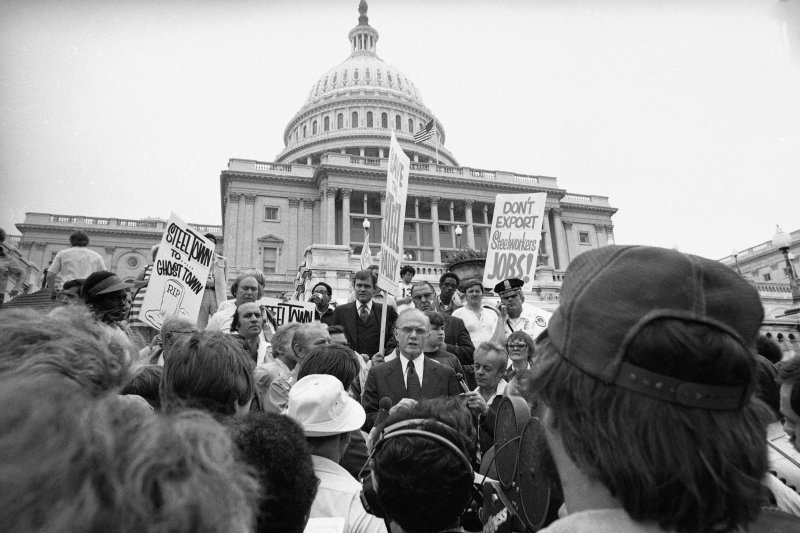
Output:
x=76 y=262
x=516 y=314
x=490 y=365
x=327 y=415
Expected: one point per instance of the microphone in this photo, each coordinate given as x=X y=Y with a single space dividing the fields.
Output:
x=383 y=411
x=460 y=379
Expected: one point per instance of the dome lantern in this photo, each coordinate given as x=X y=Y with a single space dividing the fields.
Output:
x=363 y=38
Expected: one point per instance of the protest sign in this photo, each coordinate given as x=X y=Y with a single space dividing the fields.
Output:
x=514 y=240
x=289 y=311
x=179 y=274
x=393 y=218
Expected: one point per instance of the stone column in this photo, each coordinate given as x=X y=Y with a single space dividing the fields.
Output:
x=609 y=234
x=330 y=237
x=306 y=226
x=560 y=241
x=437 y=246
x=468 y=203
x=294 y=235
x=600 y=230
x=241 y=242
x=109 y=259
x=547 y=238
x=40 y=246
x=346 y=216
x=232 y=237
x=25 y=249
x=569 y=238
x=250 y=250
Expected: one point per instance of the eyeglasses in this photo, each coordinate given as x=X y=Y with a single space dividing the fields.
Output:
x=517 y=346
x=424 y=296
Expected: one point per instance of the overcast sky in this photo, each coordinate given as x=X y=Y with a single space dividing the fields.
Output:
x=686 y=114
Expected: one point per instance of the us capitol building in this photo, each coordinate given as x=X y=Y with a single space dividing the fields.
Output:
x=300 y=218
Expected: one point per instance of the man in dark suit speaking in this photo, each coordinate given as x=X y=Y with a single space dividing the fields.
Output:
x=361 y=319
x=411 y=374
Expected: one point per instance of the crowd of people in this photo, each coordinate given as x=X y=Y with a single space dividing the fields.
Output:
x=653 y=400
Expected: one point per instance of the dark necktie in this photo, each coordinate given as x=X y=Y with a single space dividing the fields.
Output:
x=364 y=313
x=412 y=383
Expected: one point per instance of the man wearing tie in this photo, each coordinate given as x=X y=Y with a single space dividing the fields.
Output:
x=411 y=375
x=361 y=319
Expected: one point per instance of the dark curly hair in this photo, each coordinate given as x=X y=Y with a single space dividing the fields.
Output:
x=275 y=446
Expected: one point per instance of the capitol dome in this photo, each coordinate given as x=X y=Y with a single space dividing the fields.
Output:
x=353 y=108
x=363 y=70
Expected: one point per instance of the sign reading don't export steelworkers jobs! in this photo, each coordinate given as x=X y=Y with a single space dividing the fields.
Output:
x=393 y=217
x=514 y=240
x=179 y=274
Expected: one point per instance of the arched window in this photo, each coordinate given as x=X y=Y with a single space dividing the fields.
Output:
x=314 y=128
x=339 y=121
x=369 y=119
x=355 y=74
x=304 y=132
x=410 y=125
x=398 y=123
x=384 y=120
x=327 y=124
x=354 y=120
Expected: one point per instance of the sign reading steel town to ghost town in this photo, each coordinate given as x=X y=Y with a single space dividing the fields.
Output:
x=179 y=274
x=514 y=241
x=393 y=218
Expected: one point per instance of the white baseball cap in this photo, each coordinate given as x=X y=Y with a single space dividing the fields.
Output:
x=321 y=406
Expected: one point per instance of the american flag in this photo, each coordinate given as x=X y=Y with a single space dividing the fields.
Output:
x=425 y=133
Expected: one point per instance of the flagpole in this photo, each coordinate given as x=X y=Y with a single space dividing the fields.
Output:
x=436 y=139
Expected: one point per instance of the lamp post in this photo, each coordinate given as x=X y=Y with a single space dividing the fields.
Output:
x=781 y=240
x=735 y=254
x=365 y=225
x=459 y=231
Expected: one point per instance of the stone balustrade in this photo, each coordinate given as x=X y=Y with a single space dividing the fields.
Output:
x=84 y=222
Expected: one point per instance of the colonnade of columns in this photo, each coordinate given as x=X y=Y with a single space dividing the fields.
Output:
x=315 y=220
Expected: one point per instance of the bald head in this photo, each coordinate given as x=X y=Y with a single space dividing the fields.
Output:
x=173 y=328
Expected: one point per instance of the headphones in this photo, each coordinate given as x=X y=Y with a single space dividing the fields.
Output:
x=412 y=427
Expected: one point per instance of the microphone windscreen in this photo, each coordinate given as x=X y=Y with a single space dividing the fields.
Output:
x=385 y=403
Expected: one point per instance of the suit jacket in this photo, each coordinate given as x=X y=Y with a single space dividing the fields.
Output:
x=457 y=339
x=459 y=343
x=386 y=381
x=365 y=338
